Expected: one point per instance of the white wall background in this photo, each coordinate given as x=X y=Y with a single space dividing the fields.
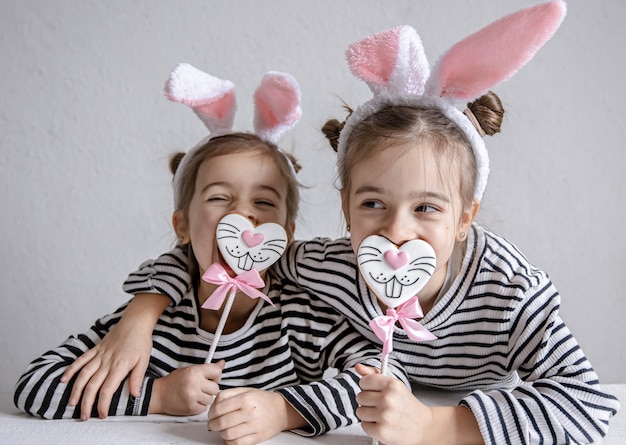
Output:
x=85 y=134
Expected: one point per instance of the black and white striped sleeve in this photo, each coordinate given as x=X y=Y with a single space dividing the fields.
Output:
x=326 y=402
x=560 y=399
x=39 y=391
x=167 y=275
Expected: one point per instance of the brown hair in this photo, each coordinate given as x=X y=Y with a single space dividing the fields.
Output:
x=489 y=112
x=230 y=144
x=398 y=125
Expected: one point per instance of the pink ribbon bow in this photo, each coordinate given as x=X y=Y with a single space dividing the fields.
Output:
x=247 y=282
x=405 y=314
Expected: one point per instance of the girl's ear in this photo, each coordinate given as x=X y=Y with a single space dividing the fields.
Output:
x=467 y=218
x=179 y=222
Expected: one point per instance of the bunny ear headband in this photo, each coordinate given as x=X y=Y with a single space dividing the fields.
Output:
x=277 y=106
x=394 y=66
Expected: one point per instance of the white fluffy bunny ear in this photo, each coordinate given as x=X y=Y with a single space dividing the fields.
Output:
x=493 y=54
x=277 y=106
x=211 y=98
x=391 y=61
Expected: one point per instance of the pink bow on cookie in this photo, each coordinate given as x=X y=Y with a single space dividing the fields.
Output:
x=405 y=314
x=247 y=282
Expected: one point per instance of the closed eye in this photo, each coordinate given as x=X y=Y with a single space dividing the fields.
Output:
x=265 y=203
x=217 y=198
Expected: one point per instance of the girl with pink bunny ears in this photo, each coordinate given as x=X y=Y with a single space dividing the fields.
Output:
x=413 y=166
x=274 y=343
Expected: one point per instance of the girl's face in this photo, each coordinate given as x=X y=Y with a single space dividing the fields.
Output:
x=249 y=184
x=399 y=193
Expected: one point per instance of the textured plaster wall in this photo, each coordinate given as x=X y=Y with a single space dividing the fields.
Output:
x=85 y=134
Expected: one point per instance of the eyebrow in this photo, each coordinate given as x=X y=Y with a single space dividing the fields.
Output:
x=270 y=189
x=226 y=184
x=431 y=195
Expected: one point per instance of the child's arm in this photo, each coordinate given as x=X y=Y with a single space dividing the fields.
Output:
x=320 y=403
x=40 y=391
x=560 y=399
x=184 y=391
x=327 y=401
x=126 y=348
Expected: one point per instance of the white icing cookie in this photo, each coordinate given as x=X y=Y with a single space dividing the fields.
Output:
x=245 y=246
x=395 y=274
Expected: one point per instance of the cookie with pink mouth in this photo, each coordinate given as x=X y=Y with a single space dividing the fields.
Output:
x=395 y=274
x=245 y=246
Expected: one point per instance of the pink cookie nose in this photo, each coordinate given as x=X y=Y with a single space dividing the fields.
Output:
x=396 y=260
x=252 y=239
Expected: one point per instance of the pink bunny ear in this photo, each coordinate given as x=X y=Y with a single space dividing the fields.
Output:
x=391 y=60
x=212 y=99
x=277 y=106
x=493 y=54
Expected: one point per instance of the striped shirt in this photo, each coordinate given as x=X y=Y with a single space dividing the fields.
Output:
x=285 y=348
x=499 y=338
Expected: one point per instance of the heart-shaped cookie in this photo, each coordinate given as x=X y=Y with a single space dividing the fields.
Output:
x=395 y=274
x=245 y=246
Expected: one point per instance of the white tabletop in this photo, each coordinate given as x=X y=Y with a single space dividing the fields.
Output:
x=19 y=428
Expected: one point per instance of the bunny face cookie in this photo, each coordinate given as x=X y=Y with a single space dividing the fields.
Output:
x=395 y=274
x=244 y=246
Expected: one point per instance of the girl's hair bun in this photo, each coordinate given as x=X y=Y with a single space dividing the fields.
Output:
x=332 y=130
x=488 y=111
x=175 y=161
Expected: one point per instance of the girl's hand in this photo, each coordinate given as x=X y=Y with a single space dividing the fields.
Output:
x=247 y=416
x=125 y=348
x=186 y=391
x=103 y=368
x=390 y=413
x=388 y=410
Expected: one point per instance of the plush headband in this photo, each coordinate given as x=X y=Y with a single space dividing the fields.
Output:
x=394 y=66
x=277 y=106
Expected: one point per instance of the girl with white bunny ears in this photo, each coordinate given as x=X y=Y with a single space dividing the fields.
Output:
x=521 y=375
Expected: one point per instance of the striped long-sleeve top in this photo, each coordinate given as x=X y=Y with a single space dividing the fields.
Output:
x=285 y=348
x=499 y=337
